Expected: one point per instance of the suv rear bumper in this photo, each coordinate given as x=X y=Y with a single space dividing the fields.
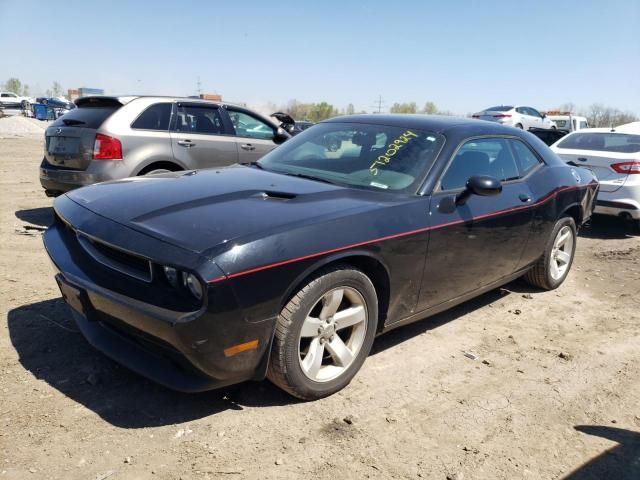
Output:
x=61 y=180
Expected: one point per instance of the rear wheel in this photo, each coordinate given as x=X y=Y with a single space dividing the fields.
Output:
x=554 y=265
x=324 y=334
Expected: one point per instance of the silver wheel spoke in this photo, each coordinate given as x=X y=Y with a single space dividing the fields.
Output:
x=331 y=303
x=310 y=327
x=349 y=317
x=564 y=257
x=562 y=239
x=313 y=360
x=339 y=351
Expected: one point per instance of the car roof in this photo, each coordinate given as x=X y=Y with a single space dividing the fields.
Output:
x=628 y=128
x=433 y=123
x=124 y=99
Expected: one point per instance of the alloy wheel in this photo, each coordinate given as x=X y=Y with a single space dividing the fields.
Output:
x=561 y=252
x=332 y=334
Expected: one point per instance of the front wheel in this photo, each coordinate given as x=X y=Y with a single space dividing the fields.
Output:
x=553 y=267
x=519 y=125
x=324 y=334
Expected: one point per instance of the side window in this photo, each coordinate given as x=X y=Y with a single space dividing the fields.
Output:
x=583 y=125
x=527 y=161
x=534 y=112
x=249 y=126
x=156 y=117
x=522 y=110
x=4 y=95
x=197 y=119
x=484 y=156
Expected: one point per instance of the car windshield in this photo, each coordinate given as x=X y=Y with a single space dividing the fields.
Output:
x=375 y=157
x=602 y=142
x=501 y=108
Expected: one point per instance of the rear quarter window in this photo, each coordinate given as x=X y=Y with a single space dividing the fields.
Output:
x=85 y=117
x=156 y=117
x=602 y=142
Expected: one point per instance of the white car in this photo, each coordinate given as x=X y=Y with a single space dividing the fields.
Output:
x=516 y=116
x=613 y=154
x=11 y=100
x=567 y=121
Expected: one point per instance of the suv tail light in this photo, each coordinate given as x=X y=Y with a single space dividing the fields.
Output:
x=107 y=148
x=629 y=168
x=502 y=115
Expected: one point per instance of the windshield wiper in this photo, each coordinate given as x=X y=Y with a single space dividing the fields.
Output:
x=253 y=164
x=308 y=177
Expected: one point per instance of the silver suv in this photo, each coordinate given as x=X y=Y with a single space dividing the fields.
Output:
x=108 y=138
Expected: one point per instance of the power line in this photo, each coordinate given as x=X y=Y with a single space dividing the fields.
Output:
x=378 y=106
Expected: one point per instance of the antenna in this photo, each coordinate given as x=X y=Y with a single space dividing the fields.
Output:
x=378 y=105
x=199 y=85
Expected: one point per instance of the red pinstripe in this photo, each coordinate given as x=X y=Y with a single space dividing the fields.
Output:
x=397 y=235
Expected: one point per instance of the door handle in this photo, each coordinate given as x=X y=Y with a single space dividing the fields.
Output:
x=582 y=159
x=247 y=146
x=524 y=197
x=186 y=143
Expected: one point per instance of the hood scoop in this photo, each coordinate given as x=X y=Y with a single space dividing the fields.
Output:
x=271 y=195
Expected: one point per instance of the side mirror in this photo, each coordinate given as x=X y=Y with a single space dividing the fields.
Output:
x=482 y=185
x=280 y=136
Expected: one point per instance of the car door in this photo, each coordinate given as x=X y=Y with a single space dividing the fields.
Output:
x=253 y=136
x=536 y=118
x=200 y=137
x=481 y=241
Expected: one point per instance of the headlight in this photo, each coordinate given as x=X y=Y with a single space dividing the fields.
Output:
x=172 y=276
x=193 y=284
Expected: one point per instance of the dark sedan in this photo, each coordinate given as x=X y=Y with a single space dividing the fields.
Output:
x=287 y=268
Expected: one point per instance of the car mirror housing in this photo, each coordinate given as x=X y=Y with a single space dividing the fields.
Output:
x=281 y=136
x=482 y=185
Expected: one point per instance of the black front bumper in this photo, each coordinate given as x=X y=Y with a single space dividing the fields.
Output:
x=183 y=350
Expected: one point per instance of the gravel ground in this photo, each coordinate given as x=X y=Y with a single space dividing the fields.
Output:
x=553 y=391
x=23 y=127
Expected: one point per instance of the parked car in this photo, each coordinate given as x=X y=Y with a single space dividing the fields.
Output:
x=567 y=121
x=56 y=102
x=301 y=126
x=614 y=157
x=288 y=268
x=519 y=116
x=11 y=100
x=108 y=138
x=548 y=136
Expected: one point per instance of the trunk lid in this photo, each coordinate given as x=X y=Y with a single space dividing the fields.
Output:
x=600 y=164
x=69 y=140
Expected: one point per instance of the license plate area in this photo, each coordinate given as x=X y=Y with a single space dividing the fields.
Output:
x=63 y=146
x=75 y=297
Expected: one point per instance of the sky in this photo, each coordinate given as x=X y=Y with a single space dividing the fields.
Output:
x=462 y=55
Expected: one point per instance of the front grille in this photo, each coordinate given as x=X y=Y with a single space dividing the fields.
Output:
x=116 y=259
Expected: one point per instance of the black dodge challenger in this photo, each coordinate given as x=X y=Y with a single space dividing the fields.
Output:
x=288 y=268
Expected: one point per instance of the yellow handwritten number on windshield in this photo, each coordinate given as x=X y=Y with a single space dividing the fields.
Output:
x=392 y=149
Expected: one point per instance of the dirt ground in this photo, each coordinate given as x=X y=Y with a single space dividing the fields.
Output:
x=554 y=390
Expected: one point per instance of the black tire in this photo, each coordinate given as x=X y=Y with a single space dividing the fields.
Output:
x=519 y=125
x=160 y=167
x=540 y=274
x=284 y=369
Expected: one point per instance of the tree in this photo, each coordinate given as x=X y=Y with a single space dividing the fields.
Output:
x=350 y=109
x=56 y=90
x=13 y=85
x=430 y=108
x=404 y=108
x=600 y=115
x=310 y=111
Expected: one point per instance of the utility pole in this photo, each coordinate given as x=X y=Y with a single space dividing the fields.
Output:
x=378 y=106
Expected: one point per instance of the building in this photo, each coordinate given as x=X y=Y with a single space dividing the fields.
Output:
x=74 y=93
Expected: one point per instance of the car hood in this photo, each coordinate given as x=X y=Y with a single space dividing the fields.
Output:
x=202 y=209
